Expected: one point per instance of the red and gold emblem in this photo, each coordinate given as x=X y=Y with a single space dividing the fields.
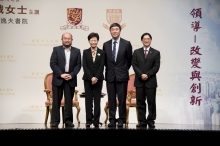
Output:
x=74 y=15
x=74 y=20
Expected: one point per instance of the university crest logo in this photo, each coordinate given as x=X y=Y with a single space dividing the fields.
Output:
x=113 y=16
x=74 y=20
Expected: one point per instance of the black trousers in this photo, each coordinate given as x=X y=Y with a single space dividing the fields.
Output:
x=93 y=93
x=143 y=93
x=58 y=92
x=118 y=90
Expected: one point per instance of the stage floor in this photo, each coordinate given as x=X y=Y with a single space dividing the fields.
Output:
x=131 y=126
x=163 y=133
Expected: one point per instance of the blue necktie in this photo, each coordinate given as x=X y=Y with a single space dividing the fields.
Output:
x=114 y=50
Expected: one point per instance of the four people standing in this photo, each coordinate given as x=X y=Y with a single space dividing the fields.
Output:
x=117 y=57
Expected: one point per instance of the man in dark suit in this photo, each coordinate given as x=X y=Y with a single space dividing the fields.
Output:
x=146 y=64
x=118 y=55
x=65 y=63
x=93 y=66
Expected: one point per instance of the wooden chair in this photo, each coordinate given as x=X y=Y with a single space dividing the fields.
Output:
x=48 y=102
x=131 y=96
x=130 y=101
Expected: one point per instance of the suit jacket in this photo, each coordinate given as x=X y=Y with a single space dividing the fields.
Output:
x=57 y=64
x=149 y=65
x=120 y=68
x=93 y=69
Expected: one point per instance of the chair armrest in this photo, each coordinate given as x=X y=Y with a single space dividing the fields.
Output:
x=49 y=97
x=129 y=95
x=132 y=94
x=47 y=90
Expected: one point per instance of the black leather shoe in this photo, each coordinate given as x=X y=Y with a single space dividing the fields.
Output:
x=112 y=124
x=150 y=125
x=69 y=125
x=141 y=125
x=87 y=125
x=120 y=125
x=96 y=126
x=54 y=125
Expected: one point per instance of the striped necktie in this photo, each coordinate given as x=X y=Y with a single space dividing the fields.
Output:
x=114 y=50
x=145 y=53
x=93 y=54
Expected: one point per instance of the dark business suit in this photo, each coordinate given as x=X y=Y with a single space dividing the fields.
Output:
x=146 y=89
x=93 y=69
x=57 y=64
x=117 y=76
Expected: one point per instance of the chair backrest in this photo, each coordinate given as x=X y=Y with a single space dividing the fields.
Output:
x=131 y=87
x=48 y=86
x=48 y=82
x=131 y=82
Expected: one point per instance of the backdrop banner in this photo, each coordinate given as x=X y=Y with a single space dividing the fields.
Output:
x=185 y=32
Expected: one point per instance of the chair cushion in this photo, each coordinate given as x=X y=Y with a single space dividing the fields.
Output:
x=48 y=103
x=74 y=103
x=127 y=103
x=133 y=94
x=133 y=103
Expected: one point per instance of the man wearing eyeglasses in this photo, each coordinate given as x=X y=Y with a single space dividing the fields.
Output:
x=146 y=64
x=65 y=63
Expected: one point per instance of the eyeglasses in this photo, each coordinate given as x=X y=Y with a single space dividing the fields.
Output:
x=67 y=39
x=146 y=39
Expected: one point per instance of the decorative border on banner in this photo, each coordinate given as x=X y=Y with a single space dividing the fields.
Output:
x=69 y=26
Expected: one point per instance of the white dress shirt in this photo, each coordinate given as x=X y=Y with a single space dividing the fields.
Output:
x=67 y=57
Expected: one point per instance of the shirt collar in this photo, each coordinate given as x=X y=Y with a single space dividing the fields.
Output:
x=146 y=48
x=65 y=48
x=118 y=40
x=92 y=49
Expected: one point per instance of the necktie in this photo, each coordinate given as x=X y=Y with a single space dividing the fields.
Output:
x=114 y=50
x=93 y=55
x=145 y=53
